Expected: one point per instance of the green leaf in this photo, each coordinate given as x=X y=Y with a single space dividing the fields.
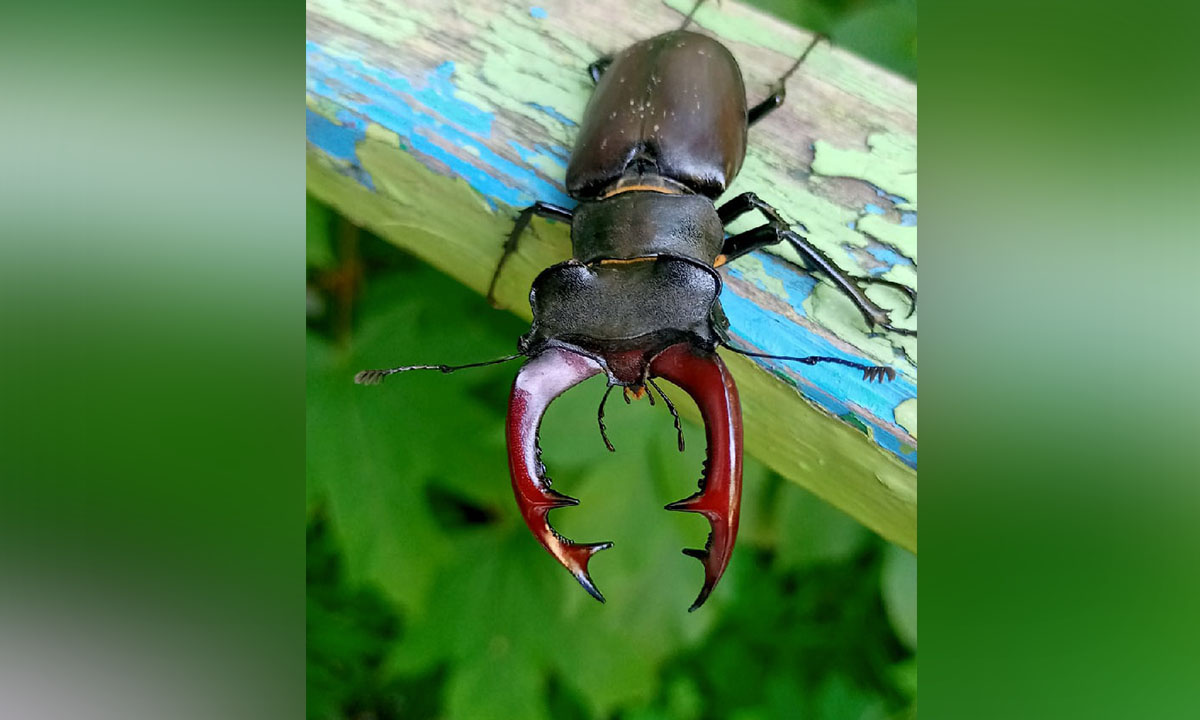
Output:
x=810 y=531
x=318 y=244
x=373 y=451
x=884 y=32
x=501 y=686
x=899 y=585
x=904 y=677
x=839 y=699
x=684 y=699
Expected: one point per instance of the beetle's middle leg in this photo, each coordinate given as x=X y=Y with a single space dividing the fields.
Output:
x=539 y=208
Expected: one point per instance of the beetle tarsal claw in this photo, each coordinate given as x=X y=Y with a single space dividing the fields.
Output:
x=878 y=373
x=539 y=382
x=704 y=377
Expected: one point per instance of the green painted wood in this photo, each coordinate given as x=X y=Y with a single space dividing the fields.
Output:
x=422 y=171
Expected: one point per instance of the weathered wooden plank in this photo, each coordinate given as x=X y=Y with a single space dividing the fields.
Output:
x=430 y=122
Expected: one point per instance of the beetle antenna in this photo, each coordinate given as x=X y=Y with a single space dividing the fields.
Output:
x=374 y=377
x=870 y=372
x=671 y=407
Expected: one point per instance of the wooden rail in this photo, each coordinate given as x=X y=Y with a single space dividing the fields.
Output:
x=431 y=122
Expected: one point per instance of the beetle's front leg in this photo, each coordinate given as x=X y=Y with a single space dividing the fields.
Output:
x=539 y=208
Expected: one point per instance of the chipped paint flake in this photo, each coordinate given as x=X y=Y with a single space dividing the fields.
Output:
x=890 y=163
x=901 y=237
x=906 y=416
x=429 y=117
x=752 y=268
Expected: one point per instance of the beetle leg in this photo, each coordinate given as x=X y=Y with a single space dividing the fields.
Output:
x=539 y=382
x=739 y=205
x=596 y=69
x=539 y=208
x=871 y=373
x=600 y=420
x=674 y=413
x=851 y=285
x=704 y=377
x=779 y=89
x=777 y=230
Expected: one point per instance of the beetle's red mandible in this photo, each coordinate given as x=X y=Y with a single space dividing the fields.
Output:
x=705 y=378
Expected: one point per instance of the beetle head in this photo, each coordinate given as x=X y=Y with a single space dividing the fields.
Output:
x=633 y=322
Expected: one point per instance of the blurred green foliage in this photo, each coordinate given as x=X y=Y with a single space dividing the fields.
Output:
x=883 y=31
x=428 y=597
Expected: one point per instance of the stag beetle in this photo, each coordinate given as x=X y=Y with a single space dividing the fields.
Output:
x=662 y=137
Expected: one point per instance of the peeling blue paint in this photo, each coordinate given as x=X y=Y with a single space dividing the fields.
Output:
x=555 y=114
x=537 y=12
x=908 y=219
x=560 y=151
x=836 y=388
x=873 y=209
x=796 y=286
x=431 y=120
x=885 y=254
x=525 y=153
x=338 y=141
x=892 y=444
x=555 y=154
x=539 y=152
x=895 y=199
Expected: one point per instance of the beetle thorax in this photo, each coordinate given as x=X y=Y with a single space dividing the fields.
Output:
x=639 y=223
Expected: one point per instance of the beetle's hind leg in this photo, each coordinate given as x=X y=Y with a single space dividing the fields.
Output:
x=779 y=88
x=539 y=208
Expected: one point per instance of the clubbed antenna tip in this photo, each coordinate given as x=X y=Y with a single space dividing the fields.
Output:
x=369 y=377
